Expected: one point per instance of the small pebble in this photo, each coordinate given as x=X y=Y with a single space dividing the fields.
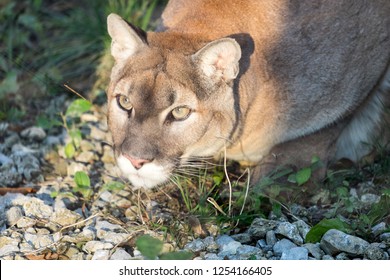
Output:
x=283 y=246
x=296 y=253
x=101 y=255
x=33 y=133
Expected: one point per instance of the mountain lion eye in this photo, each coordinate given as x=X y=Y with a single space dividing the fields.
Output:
x=181 y=113
x=124 y=102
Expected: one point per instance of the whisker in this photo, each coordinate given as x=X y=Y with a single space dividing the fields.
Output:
x=186 y=173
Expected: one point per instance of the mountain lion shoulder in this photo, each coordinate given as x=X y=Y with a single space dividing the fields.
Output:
x=268 y=82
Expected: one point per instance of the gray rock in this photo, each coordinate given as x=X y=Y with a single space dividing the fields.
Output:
x=120 y=254
x=52 y=141
x=195 y=246
x=290 y=231
x=314 y=250
x=260 y=226
x=33 y=133
x=108 y=155
x=36 y=208
x=296 y=253
x=5 y=160
x=369 y=198
x=283 y=246
x=335 y=241
x=3 y=128
x=65 y=217
x=375 y=252
x=106 y=230
x=114 y=237
x=227 y=245
x=27 y=165
x=26 y=222
x=327 y=257
x=10 y=141
x=39 y=241
x=93 y=246
x=14 y=214
x=8 y=250
x=107 y=196
x=73 y=167
x=223 y=239
x=302 y=227
x=270 y=238
x=385 y=238
x=86 y=235
x=101 y=255
x=9 y=175
x=98 y=134
x=342 y=256
x=243 y=238
x=86 y=145
x=212 y=256
x=210 y=244
x=86 y=157
x=8 y=247
x=379 y=228
x=87 y=117
x=246 y=251
x=261 y=243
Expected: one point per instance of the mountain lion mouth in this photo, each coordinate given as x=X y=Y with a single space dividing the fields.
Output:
x=150 y=175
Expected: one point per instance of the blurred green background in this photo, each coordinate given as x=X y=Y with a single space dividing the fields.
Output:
x=46 y=44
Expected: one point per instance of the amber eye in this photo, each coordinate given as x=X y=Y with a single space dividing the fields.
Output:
x=181 y=113
x=124 y=102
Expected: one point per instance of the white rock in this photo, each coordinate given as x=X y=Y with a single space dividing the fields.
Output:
x=65 y=217
x=33 y=133
x=101 y=255
x=14 y=214
x=120 y=254
x=93 y=246
x=303 y=228
x=103 y=227
x=8 y=249
x=26 y=222
x=290 y=231
x=282 y=246
x=36 y=208
x=227 y=245
x=38 y=240
x=114 y=237
x=296 y=253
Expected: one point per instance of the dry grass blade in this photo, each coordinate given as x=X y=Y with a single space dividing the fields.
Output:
x=75 y=92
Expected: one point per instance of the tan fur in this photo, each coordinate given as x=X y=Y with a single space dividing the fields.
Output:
x=271 y=81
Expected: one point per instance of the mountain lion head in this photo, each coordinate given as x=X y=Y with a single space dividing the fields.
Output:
x=170 y=100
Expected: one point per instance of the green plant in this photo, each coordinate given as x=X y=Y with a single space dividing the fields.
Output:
x=151 y=248
x=316 y=232
x=71 y=122
x=46 y=44
x=113 y=186
x=83 y=185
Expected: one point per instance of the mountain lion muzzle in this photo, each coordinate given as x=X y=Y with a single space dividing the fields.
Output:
x=266 y=82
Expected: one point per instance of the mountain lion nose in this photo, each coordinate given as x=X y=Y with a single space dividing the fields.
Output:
x=137 y=162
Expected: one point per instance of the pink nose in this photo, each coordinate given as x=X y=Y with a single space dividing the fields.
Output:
x=137 y=162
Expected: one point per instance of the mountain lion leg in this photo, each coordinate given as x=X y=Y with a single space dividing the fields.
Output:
x=298 y=153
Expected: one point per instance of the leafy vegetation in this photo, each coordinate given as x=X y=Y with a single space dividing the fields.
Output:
x=151 y=248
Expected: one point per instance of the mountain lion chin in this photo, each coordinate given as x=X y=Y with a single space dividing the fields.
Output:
x=149 y=176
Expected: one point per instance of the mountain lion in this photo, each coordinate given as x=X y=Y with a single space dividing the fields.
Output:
x=264 y=82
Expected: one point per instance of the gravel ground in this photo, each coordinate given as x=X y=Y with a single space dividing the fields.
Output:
x=41 y=218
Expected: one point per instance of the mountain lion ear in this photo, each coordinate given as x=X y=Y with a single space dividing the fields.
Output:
x=219 y=59
x=126 y=38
